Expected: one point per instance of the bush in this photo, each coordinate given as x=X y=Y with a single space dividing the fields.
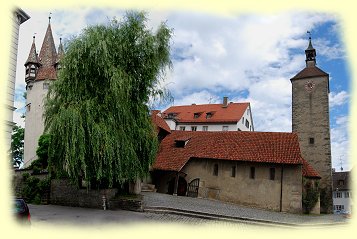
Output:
x=310 y=196
x=34 y=188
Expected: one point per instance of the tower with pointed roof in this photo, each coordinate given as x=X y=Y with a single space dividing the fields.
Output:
x=310 y=120
x=41 y=70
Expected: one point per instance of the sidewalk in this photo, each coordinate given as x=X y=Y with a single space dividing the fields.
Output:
x=212 y=209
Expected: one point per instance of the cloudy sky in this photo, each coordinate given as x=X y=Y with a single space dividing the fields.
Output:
x=247 y=57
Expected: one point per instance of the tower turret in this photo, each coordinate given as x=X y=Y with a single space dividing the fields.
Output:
x=310 y=53
x=32 y=64
x=60 y=55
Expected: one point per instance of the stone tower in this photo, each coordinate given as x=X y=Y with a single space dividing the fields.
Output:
x=310 y=120
x=40 y=71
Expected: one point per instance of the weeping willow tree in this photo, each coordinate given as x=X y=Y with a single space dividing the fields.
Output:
x=96 y=112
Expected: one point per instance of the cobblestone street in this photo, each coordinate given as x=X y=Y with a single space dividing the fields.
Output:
x=219 y=208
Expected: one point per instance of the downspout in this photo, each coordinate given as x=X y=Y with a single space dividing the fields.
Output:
x=281 y=187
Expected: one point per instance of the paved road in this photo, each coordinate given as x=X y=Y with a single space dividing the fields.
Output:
x=182 y=210
x=213 y=207
x=43 y=215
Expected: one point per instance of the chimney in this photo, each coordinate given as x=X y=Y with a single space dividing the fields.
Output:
x=225 y=101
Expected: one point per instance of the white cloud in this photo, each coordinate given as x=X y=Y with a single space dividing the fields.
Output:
x=340 y=144
x=215 y=56
x=337 y=99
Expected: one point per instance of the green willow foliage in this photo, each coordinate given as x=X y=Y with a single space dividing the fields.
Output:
x=96 y=112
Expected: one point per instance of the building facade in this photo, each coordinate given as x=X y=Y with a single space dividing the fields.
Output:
x=18 y=17
x=310 y=120
x=342 y=192
x=210 y=117
x=238 y=167
x=41 y=70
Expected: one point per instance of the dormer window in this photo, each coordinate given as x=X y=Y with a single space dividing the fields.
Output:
x=181 y=143
x=171 y=115
x=196 y=115
x=208 y=115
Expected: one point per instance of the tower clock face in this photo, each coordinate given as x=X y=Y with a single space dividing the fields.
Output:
x=309 y=85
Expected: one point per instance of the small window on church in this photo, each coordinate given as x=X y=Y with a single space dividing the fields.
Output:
x=272 y=173
x=252 y=173
x=233 y=172
x=28 y=107
x=215 y=170
x=311 y=140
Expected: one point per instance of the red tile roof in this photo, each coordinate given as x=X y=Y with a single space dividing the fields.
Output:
x=32 y=58
x=185 y=113
x=307 y=72
x=159 y=122
x=308 y=171
x=264 y=147
x=48 y=56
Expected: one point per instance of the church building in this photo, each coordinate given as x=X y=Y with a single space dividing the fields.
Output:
x=40 y=71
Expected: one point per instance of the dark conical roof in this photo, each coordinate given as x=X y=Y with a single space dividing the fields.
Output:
x=48 y=50
x=48 y=57
x=60 y=53
x=310 y=47
x=32 y=58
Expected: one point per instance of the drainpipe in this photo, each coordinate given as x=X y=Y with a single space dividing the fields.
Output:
x=281 y=187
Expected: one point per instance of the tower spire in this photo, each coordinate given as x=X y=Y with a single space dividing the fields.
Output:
x=310 y=53
x=48 y=56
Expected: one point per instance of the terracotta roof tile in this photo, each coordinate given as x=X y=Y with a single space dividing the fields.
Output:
x=185 y=113
x=264 y=147
x=45 y=73
x=32 y=58
x=159 y=122
x=308 y=171
x=307 y=72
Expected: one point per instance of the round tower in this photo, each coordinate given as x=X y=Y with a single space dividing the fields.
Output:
x=40 y=71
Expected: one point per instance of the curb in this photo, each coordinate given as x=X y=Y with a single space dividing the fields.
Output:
x=212 y=216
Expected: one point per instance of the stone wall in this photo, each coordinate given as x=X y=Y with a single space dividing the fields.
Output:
x=310 y=119
x=259 y=192
x=66 y=194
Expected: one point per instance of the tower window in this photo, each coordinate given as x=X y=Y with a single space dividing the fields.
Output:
x=224 y=128
x=205 y=128
x=193 y=128
x=182 y=128
x=311 y=140
x=46 y=85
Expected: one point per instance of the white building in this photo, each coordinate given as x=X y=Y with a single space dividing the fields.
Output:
x=40 y=71
x=342 y=194
x=18 y=17
x=210 y=117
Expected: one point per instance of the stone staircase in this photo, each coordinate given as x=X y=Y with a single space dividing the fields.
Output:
x=146 y=187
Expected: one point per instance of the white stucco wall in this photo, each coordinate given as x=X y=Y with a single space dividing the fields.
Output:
x=34 y=122
x=343 y=200
x=17 y=17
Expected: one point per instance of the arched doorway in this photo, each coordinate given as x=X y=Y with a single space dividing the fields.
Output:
x=181 y=187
